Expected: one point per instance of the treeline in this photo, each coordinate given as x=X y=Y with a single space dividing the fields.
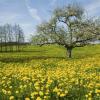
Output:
x=11 y=38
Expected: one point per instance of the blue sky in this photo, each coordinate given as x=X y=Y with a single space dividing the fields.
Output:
x=29 y=13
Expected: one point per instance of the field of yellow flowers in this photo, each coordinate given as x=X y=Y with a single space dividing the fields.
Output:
x=51 y=79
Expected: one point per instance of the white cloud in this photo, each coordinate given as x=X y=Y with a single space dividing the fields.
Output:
x=8 y=17
x=93 y=8
x=33 y=12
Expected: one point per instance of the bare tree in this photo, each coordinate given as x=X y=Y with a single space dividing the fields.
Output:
x=1 y=38
x=11 y=36
x=68 y=27
x=19 y=36
x=8 y=37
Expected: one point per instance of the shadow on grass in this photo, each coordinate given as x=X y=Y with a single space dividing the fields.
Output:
x=23 y=51
x=27 y=59
x=23 y=59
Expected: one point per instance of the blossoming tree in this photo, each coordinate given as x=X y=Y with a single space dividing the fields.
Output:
x=67 y=27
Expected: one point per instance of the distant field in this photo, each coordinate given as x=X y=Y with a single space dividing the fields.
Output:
x=48 y=52
x=45 y=73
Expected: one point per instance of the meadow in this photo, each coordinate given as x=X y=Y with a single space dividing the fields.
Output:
x=45 y=73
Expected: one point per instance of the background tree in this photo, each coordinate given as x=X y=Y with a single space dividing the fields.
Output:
x=1 y=38
x=11 y=36
x=68 y=27
x=8 y=31
x=19 y=36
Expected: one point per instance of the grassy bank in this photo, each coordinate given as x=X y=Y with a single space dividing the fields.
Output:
x=45 y=73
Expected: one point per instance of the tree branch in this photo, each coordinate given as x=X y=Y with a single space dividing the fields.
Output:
x=41 y=44
x=88 y=39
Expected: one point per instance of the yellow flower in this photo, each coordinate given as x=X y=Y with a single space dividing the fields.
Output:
x=89 y=94
x=47 y=85
x=98 y=84
x=38 y=98
x=4 y=91
x=41 y=93
x=66 y=91
x=34 y=93
x=11 y=98
x=62 y=95
x=37 y=88
x=86 y=96
x=58 y=93
x=9 y=92
x=89 y=98
x=49 y=81
x=25 y=86
x=27 y=98
x=25 y=78
x=45 y=97
x=17 y=92
x=97 y=91
x=98 y=94
x=36 y=84
x=21 y=87
x=55 y=89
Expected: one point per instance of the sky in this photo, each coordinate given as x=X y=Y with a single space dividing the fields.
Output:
x=29 y=13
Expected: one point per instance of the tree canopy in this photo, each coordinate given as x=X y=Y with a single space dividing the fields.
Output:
x=68 y=27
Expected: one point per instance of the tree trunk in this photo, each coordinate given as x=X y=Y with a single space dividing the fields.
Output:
x=69 y=52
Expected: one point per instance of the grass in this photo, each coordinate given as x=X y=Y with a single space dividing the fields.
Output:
x=45 y=73
x=48 y=52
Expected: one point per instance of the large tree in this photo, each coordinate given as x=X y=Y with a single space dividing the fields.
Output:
x=68 y=27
